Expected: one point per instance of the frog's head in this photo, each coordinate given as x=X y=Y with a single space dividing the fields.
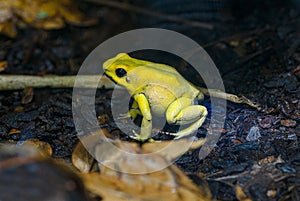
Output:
x=117 y=67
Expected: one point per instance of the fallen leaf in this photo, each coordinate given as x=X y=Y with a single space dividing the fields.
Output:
x=3 y=64
x=288 y=122
x=234 y=43
x=241 y=196
x=81 y=159
x=168 y=184
x=102 y=119
x=19 y=109
x=27 y=95
x=120 y=182
x=44 y=148
x=7 y=26
x=296 y=71
x=14 y=131
x=8 y=29
x=271 y=194
x=172 y=149
x=40 y=14
x=268 y=159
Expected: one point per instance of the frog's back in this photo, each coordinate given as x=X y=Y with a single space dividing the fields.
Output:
x=164 y=77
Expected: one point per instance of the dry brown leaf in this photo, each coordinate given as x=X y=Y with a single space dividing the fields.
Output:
x=241 y=196
x=288 y=122
x=268 y=159
x=48 y=14
x=14 y=131
x=102 y=119
x=44 y=148
x=104 y=188
x=81 y=159
x=19 y=109
x=40 y=14
x=7 y=26
x=3 y=64
x=27 y=95
x=169 y=183
x=271 y=193
x=150 y=187
x=172 y=149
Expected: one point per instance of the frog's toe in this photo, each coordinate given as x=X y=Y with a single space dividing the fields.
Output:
x=138 y=137
x=124 y=116
x=181 y=136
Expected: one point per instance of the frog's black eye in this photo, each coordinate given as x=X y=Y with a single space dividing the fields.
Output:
x=121 y=72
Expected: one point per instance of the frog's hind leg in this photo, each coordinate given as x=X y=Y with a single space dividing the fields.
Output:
x=182 y=112
x=198 y=111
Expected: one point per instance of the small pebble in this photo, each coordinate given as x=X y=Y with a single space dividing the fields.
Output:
x=285 y=168
x=271 y=193
x=282 y=128
x=253 y=134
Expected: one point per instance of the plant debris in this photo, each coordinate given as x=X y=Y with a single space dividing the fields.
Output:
x=169 y=183
x=40 y=14
x=258 y=56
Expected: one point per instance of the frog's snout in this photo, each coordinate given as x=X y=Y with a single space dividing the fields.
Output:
x=112 y=60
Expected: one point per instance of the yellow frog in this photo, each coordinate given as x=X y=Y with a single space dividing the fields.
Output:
x=157 y=89
x=160 y=90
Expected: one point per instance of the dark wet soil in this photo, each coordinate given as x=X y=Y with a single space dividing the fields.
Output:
x=257 y=51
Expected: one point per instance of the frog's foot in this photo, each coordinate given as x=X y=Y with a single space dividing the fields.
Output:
x=189 y=130
x=138 y=137
x=124 y=116
x=146 y=130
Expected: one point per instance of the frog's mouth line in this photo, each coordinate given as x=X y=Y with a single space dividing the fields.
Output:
x=110 y=78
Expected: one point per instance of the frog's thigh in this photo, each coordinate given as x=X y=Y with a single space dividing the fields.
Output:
x=190 y=114
x=182 y=112
x=175 y=108
x=199 y=112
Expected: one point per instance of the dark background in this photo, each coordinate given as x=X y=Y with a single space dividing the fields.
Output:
x=254 y=44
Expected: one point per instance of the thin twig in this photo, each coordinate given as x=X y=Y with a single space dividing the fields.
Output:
x=137 y=9
x=230 y=97
x=15 y=82
x=245 y=59
x=238 y=35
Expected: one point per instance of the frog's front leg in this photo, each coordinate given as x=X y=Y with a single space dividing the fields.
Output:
x=182 y=111
x=144 y=108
